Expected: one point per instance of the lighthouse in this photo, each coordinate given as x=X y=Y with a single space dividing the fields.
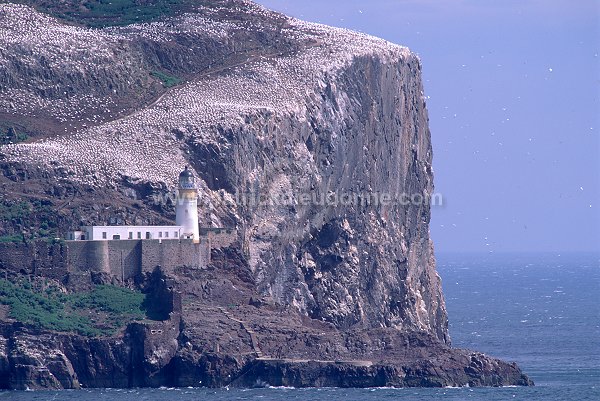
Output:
x=186 y=210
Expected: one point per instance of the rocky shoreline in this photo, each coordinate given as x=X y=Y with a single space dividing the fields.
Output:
x=34 y=360
x=221 y=333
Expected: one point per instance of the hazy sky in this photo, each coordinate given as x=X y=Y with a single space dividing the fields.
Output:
x=514 y=110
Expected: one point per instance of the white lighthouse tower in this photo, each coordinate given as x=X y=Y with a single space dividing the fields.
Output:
x=186 y=210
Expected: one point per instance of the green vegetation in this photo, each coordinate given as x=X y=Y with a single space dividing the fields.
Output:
x=101 y=13
x=120 y=304
x=11 y=238
x=167 y=80
x=123 y=12
x=36 y=217
x=100 y=312
x=14 y=211
x=11 y=135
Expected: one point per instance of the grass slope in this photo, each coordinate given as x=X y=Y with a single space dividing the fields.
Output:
x=101 y=13
x=103 y=311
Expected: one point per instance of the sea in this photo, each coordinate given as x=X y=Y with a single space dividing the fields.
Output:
x=539 y=310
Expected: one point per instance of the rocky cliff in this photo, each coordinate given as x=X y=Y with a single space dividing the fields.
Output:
x=307 y=139
x=225 y=334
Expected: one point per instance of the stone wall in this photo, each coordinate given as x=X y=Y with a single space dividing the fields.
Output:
x=219 y=237
x=170 y=254
x=38 y=257
x=204 y=249
x=122 y=260
x=86 y=256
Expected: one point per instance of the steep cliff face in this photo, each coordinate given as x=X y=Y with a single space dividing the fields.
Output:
x=296 y=144
x=337 y=257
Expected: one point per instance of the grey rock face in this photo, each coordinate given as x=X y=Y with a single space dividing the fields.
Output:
x=312 y=113
x=347 y=263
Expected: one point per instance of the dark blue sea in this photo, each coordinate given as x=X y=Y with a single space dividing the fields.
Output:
x=540 y=310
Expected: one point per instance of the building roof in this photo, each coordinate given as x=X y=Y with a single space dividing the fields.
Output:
x=186 y=173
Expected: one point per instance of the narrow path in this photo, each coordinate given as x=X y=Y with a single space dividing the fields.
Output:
x=201 y=75
x=251 y=333
x=254 y=339
x=258 y=351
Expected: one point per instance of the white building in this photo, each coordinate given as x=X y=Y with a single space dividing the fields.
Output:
x=95 y=233
x=186 y=212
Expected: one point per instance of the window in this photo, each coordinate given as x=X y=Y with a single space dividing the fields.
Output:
x=148 y=235
x=130 y=235
x=139 y=235
x=116 y=236
x=104 y=235
x=175 y=234
x=166 y=234
x=160 y=234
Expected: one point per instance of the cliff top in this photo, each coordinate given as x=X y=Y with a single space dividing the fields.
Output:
x=135 y=142
x=98 y=13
